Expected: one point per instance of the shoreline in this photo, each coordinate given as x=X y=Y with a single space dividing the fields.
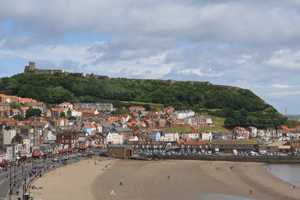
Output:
x=189 y=179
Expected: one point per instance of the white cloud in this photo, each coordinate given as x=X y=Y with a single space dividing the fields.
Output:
x=244 y=59
x=284 y=93
x=240 y=43
x=281 y=86
x=285 y=58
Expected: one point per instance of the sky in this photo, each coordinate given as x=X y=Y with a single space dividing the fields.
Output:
x=249 y=44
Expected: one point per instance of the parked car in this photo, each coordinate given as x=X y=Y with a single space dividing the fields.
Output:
x=64 y=159
x=34 y=169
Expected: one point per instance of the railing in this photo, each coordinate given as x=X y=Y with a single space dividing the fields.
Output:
x=265 y=159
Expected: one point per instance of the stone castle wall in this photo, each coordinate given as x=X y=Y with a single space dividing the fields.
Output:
x=32 y=70
x=47 y=71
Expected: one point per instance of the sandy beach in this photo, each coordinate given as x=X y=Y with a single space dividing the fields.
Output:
x=71 y=182
x=190 y=180
x=149 y=180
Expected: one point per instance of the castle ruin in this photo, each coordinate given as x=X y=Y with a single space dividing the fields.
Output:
x=30 y=69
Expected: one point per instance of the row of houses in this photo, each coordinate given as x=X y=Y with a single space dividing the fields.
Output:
x=85 y=127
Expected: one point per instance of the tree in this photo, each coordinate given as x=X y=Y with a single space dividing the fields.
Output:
x=18 y=117
x=14 y=105
x=119 y=112
x=230 y=122
x=72 y=118
x=33 y=112
x=62 y=114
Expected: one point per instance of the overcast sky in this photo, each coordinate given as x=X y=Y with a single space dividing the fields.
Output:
x=249 y=44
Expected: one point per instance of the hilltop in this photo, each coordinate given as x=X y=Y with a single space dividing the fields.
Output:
x=239 y=106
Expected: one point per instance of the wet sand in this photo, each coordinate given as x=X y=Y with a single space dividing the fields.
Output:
x=71 y=182
x=190 y=180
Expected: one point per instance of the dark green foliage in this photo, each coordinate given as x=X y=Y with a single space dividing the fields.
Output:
x=119 y=112
x=14 y=105
x=18 y=117
x=62 y=114
x=240 y=107
x=33 y=112
x=72 y=118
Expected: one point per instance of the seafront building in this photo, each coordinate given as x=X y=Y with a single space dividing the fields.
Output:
x=78 y=127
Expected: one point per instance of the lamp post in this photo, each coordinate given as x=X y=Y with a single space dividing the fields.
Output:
x=14 y=173
x=22 y=177
x=25 y=187
x=9 y=182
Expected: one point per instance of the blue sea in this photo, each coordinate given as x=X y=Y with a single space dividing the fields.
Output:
x=286 y=172
x=296 y=116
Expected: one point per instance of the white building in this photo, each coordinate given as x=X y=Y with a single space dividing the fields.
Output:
x=170 y=136
x=208 y=121
x=8 y=134
x=66 y=105
x=253 y=131
x=181 y=114
x=193 y=136
x=133 y=138
x=114 y=138
x=206 y=136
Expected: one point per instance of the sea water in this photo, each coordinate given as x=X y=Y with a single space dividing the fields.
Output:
x=286 y=172
x=296 y=116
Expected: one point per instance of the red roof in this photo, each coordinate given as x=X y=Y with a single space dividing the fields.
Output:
x=55 y=109
x=193 y=131
x=65 y=104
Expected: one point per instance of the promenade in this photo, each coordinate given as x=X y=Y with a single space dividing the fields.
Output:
x=262 y=159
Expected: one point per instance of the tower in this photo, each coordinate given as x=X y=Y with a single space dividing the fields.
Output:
x=285 y=111
x=30 y=68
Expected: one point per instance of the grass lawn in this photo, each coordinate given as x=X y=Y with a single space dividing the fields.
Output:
x=213 y=129
x=218 y=121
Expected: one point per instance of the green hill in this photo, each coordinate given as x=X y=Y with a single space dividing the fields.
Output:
x=239 y=106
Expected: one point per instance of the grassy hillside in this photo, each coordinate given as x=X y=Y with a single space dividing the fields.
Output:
x=239 y=106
